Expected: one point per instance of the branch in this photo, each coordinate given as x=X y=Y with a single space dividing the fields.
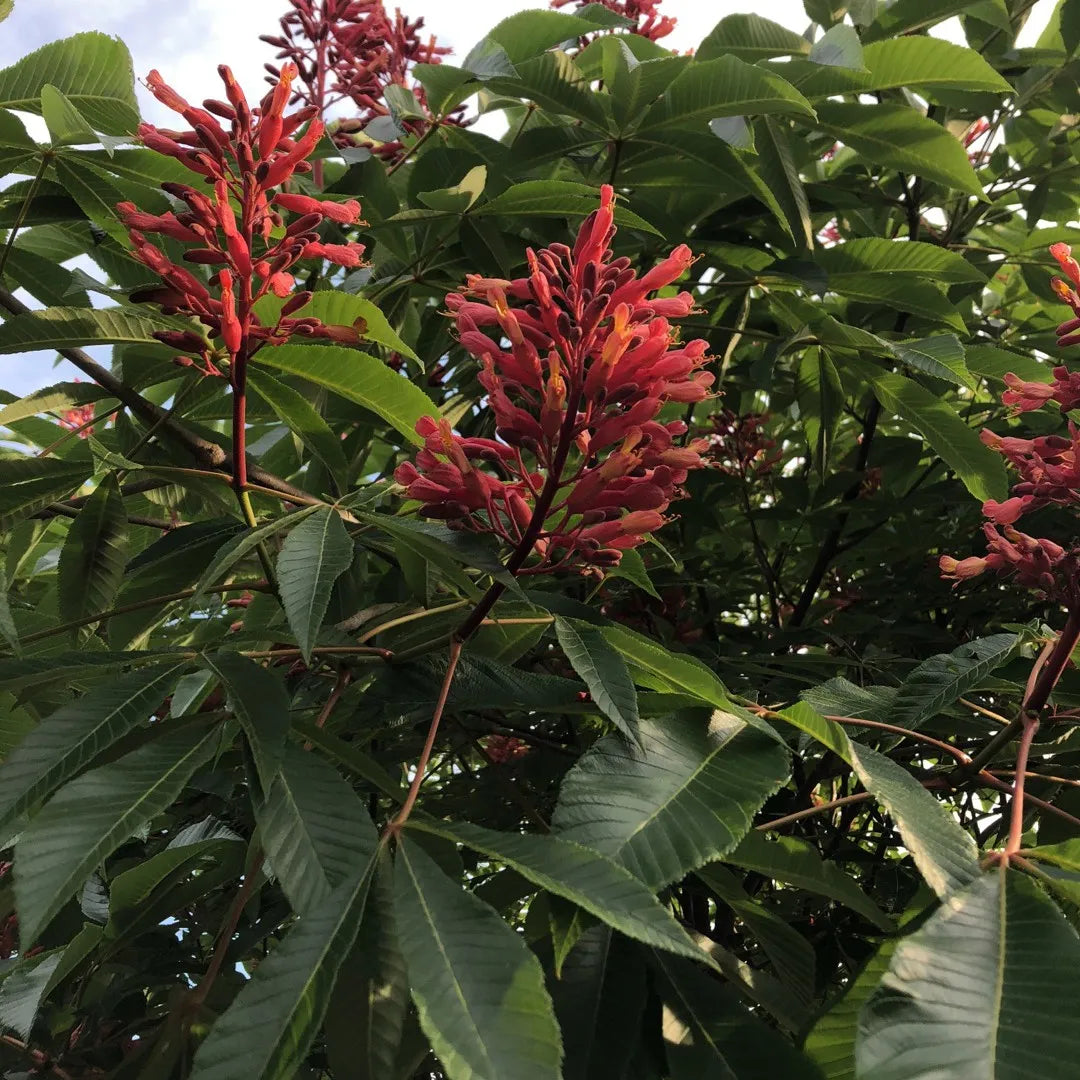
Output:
x=206 y=453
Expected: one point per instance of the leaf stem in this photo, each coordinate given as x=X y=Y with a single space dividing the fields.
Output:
x=429 y=743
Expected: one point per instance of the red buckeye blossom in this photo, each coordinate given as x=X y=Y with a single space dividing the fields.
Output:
x=582 y=360
x=739 y=445
x=1049 y=470
x=647 y=20
x=73 y=420
x=352 y=50
x=502 y=749
x=235 y=226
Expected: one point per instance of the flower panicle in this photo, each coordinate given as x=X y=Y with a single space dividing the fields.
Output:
x=237 y=226
x=577 y=359
x=1048 y=467
x=351 y=51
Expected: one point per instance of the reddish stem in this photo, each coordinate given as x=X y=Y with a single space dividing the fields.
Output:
x=429 y=743
x=1016 y=824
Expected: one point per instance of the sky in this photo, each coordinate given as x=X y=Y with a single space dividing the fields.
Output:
x=186 y=40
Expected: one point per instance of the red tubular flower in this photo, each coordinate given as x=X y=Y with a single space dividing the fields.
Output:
x=352 y=50
x=647 y=20
x=1049 y=470
x=73 y=420
x=234 y=225
x=581 y=366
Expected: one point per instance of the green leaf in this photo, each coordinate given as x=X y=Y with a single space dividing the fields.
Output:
x=994 y=363
x=67 y=126
x=750 y=38
x=357 y=377
x=907 y=15
x=8 y=630
x=93 y=70
x=899 y=137
x=365 y=1021
x=820 y=396
x=838 y=47
x=71 y=737
x=708 y=1032
x=632 y=567
x=6 y=8
x=529 y=33
x=257 y=698
x=233 y=550
x=62 y=327
x=29 y=483
x=724 y=87
x=93 y=815
x=911 y=260
x=686 y=799
x=831 y=1041
x=314 y=829
x=603 y=671
x=942 y=357
x=980 y=469
x=95 y=193
x=92 y=559
x=22 y=990
x=776 y=164
x=939 y=681
x=334 y=307
x=594 y=883
x=599 y=997
x=556 y=198
x=797 y=863
x=459 y=197
x=1066 y=854
x=266 y=1032
x=315 y=554
x=943 y=851
x=978 y=991
x=478 y=989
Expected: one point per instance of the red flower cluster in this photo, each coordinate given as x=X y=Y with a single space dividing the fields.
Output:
x=232 y=227
x=582 y=363
x=1049 y=469
x=73 y=420
x=351 y=50
x=502 y=749
x=740 y=446
x=648 y=22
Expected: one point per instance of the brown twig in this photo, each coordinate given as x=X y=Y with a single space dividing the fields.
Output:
x=40 y=1058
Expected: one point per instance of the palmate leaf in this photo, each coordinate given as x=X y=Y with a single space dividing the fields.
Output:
x=709 y=1032
x=94 y=72
x=684 y=800
x=795 y=862
x=599 y=1000
x=944 y=853
x=366 y=1020
x=258 y=700
x=22 y=990
x=357 y=377
x=93 y=815
x=750 y=38
x=603 y=671
x=314 y=829
x=578 y=874
x=478 y=989
x=66 y=741
x=29 y=483
x=941 y=679
x=980 y=469
x=92 y=559
x=724 y=87
x=978 y=991
x=899 y=137
x=315 y=554
x=266 y=1032
x=61 y=327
